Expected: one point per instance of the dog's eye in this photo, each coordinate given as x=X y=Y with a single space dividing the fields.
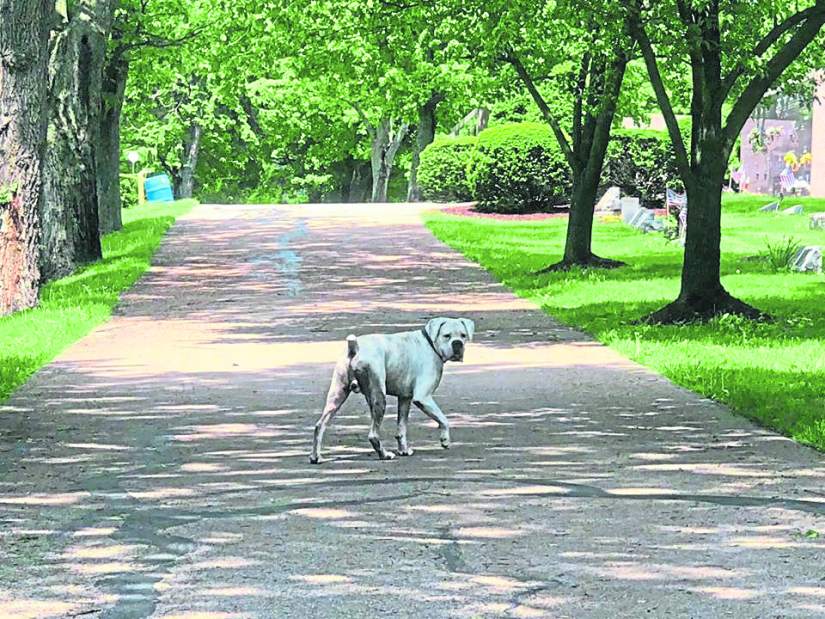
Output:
x=447 y=336
x=463 y=335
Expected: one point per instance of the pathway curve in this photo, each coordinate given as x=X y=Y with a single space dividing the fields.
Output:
x=159 y=467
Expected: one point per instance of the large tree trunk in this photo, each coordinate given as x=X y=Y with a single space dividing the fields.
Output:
x=186 y=176
x=23 y=77
x=702 y=295
x=360 y=183
x=115 y=73
x=425 y=134
x=71 y=233
x=385 y=145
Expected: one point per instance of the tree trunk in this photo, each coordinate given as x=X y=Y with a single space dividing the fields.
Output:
x=702 y=295
x=578 y=247
x=385 y=145
x=425 y=134
x=71 y=232
x=115 y=73
x=186 y=176
x=24 y=31
x=360 y=183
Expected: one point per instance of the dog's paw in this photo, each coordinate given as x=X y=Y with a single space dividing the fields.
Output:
x=387 y=455
x=445 y=442
x=406 y=452
x=315 y=460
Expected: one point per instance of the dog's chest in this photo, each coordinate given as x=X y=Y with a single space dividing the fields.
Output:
x=413 y=381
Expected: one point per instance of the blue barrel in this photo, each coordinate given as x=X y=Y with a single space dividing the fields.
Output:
x=158 y=189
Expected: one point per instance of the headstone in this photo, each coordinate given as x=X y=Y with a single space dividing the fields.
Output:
x=630 y=206
x=770 y=208
x=643 y=219
x=808 y=260
x=817 y=221
x=794 y=210
x=610 y=201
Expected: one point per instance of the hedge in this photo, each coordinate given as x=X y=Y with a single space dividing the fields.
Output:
x=518 y=168
x=442 y=171
x=642 y=163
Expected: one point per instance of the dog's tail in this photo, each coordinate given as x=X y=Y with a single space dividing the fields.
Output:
x=352 y=346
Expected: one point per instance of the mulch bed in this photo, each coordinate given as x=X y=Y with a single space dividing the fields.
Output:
x=468 y=210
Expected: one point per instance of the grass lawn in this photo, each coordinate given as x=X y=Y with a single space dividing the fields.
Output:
x=71 y=307
x=773 y=373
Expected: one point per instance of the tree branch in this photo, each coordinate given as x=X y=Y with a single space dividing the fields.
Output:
x=768 y=41
x=759 y=85
x=369 y=125
x=637 y=31
x=546 y=112
x=581 y=84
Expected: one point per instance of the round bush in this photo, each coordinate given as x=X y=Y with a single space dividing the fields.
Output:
x=518 y=168
x=442 y=171
x=642 y=163
x=128 y=191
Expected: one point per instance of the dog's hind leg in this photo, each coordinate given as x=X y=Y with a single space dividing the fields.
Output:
x=401 y=433
x=431 y=409
x=338 y=392
x=372 y=386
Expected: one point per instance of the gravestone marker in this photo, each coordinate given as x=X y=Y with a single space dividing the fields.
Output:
x=808 y=260
x=817 y=221
x=643 y=219
x=770 y=208
x=794 y=210
x=610 y=201
x=630 y=207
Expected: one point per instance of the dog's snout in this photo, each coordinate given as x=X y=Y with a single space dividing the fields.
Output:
x=458 y=345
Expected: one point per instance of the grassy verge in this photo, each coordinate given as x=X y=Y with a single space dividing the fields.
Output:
x=773 y=373
x=71 y=307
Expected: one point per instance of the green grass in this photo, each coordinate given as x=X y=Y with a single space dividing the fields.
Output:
x=773 y=373
x=71 y=307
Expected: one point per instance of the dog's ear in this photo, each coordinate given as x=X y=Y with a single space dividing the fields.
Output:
x=434 y=327
x=470 y=326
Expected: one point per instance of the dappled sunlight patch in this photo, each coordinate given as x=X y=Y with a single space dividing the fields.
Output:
x=202 y=467
x=764 y=542
x=323 y=513
x=18 y=608
x=729 y=593
x=99 y=552
x=46 y=500
x=159 y=494
x=222 y=537
x=488 y=532
x=225 y=430
x=225 y=563
x=322 y=579
x=234 y=591
x=706 y=468
x=629 y=570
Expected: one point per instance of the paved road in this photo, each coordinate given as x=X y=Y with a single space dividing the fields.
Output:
x=159 y=467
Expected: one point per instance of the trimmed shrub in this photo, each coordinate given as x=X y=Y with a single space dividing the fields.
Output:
x=442 y=171
x=642 y=163
x=518 y=168
x=128 y=191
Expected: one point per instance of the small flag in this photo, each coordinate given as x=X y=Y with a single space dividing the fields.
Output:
x=787 y=179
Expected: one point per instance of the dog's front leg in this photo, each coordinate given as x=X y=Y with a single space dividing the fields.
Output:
x=431 y=409
x=401 y=433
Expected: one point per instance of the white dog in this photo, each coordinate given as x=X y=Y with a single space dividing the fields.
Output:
x=407 y=365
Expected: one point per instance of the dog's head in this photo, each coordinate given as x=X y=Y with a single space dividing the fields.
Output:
x=450 y=335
